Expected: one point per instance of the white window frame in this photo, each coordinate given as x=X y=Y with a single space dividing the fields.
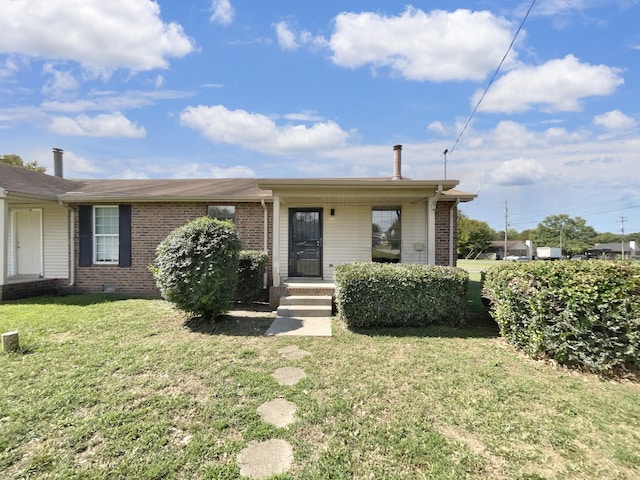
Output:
x=95 y=236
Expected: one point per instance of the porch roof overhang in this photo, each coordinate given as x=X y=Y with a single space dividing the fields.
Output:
x=353 y=191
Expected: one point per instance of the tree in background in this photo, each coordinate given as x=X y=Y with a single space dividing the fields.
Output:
x=16 y=161
x=572 y=234
x=474 y=236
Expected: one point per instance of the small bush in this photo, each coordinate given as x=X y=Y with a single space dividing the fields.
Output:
x=584 y=314
x=196 y=266
x=251 y=270
x=381 y=294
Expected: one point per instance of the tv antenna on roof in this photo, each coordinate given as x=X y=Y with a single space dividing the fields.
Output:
x=446 y=150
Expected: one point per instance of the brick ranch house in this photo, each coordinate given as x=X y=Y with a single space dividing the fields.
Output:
x=78 y=236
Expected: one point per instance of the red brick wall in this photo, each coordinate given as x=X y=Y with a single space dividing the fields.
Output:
x=150 y=224
x=443 y=210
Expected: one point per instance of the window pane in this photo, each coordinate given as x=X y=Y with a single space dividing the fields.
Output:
x=222 y=212
x=107 y=249
x=106 y=220
x=106 y=239
x=385 y=235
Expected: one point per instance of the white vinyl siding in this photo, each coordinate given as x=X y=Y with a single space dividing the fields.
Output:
x=56 y=242
x=105 y=235
x=414 y=233
x=347 y=237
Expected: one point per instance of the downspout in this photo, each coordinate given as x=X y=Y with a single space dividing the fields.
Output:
x=452 y=252
x=4 y=237
x=72 y=249
x=265 y=243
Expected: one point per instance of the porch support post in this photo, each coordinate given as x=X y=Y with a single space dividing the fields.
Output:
x=4 y=239
x=453 y=234
x=431 y=231
x=275 y=255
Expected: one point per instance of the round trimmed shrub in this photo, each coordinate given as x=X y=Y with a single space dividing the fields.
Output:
x=196 y=266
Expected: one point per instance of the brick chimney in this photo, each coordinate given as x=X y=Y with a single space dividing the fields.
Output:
x=397 y=162
x=57 y=162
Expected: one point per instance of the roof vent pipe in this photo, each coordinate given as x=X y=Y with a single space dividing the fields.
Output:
x=57 y=162
x=397 y=162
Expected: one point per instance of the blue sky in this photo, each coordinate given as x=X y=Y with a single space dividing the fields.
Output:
x=232 y=88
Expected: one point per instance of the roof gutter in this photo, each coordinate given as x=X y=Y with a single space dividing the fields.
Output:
x=154 y=199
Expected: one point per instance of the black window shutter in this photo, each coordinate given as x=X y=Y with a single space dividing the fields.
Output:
x=124 y=219
x=85 y=221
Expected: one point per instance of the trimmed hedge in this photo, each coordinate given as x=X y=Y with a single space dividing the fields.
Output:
x=399 y=295
x=196 y=266
x=251 y=268
x=584 y=313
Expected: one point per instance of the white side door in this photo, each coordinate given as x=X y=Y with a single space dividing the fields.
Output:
x=28 y=242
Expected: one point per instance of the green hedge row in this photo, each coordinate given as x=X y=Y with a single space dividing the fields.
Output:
x=584 y=314
x=382 y=294
x=251 y=268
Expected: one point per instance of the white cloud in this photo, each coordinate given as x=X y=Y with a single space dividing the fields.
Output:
x=436 y=46
x=288 y=39
x=304 y=116
x=437 y=127
x=614 y=120
x=557 y=85
x=101 y=36
x=104 y=125
x=129 y=174
x=520 y=171
x=260 y=133
x=222 y=12
x=98 y=100
x=9 y=67
x=60 y=82
x=204 y=170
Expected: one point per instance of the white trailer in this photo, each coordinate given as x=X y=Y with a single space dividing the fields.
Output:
x=548 y=253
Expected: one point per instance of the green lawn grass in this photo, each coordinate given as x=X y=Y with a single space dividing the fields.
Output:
x=107 y=387
x=475 y=269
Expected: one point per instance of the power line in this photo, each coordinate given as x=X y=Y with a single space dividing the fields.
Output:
x=495 y=74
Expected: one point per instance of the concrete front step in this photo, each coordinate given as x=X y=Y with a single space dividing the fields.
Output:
x=304 y=310
x=323 y=300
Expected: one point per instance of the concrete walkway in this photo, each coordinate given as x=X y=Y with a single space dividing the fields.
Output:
x=300 y=327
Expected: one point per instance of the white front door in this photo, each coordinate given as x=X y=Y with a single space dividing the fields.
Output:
x=28 y=242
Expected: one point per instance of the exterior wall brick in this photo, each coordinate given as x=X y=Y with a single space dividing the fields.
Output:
x=150 y=224
x=443 y=210
x=33 y=288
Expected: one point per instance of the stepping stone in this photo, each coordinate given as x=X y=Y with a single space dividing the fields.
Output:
x=292 y=352
x=263 y=459
x=278 y=412
x=288 y=375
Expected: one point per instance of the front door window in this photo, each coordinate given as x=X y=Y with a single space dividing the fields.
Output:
x=305 y=243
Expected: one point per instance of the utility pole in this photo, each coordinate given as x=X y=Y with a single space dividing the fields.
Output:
x=506 y=226
x=622 y=220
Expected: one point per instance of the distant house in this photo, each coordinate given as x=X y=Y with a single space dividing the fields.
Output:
x=60 y=235
x=615 y=249
x=516 y=248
